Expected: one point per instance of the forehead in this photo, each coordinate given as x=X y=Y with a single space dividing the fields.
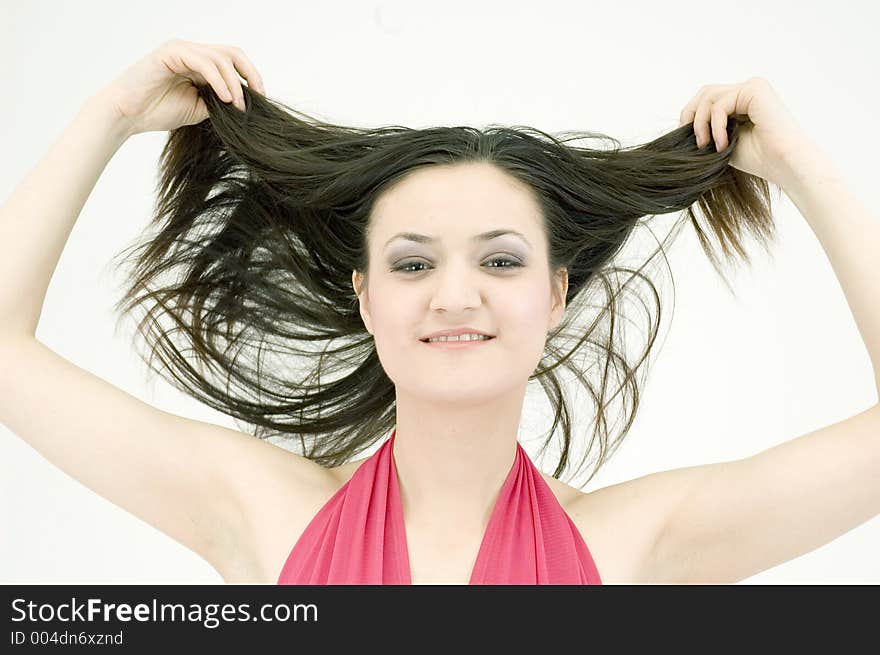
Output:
x=473 y=197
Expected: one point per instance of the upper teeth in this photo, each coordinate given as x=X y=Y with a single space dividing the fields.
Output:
x=460 y=337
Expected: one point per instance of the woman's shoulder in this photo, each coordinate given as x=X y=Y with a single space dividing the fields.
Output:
x=567 y=495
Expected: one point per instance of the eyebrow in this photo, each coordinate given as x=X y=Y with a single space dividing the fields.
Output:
x=485 y=236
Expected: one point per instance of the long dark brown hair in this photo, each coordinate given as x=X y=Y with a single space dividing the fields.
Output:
x=262 y=216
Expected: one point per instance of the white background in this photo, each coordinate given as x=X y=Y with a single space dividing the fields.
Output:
x=735 y=375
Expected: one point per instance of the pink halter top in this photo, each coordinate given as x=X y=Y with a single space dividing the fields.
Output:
x=358 y=536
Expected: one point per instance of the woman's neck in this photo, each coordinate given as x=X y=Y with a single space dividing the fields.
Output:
x=451 y=461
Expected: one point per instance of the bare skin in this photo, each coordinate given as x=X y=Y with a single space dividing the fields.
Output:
x=436 y=555
x=241 y=503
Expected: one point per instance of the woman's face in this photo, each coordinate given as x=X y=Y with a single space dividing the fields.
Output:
x=454 y=278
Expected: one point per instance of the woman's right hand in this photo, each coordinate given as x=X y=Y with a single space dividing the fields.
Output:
x=160 y=91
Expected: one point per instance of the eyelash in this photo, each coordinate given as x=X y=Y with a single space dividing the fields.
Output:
x=513 y=264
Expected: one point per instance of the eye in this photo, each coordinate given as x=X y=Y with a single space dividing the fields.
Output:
x=513 y=263
x=406 y=266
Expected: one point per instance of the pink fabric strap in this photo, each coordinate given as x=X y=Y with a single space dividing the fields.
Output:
x=358 y=536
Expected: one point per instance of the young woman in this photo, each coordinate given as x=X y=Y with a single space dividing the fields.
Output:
x=379 y=245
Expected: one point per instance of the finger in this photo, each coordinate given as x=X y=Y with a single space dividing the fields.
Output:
x=712 y=91
x=201 y=112
x=708 y=125
x=206 y=67
x=701 y=120
x=721 y=109
x=246 y=68
x=224 y=65
x=690 y=109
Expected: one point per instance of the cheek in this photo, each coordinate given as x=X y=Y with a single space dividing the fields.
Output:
x=395 y=320
x=394 y=315
x=525 y=311
x=524 y=324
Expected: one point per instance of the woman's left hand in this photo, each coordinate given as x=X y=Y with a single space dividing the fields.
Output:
x=766 y=142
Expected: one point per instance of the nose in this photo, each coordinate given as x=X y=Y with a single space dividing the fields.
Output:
x=455 y=288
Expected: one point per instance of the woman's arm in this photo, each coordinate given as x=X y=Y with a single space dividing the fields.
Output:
x=195 y=481
x=733 y=519
x=848 y=233
x=36 y=220
x=738 y=518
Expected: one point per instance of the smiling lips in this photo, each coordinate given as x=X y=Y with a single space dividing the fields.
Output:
x=457 y=344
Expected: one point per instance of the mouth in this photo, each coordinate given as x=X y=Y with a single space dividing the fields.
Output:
x=456 y=345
